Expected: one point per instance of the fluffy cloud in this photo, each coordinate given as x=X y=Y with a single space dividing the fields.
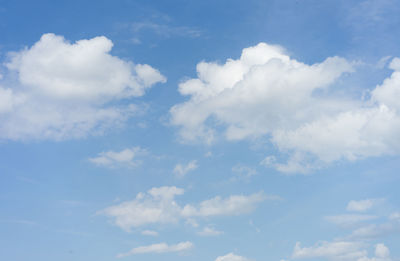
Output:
x=57 y=89
x=266 y=93
x=113 y=159
x=231 y=257
x=158 y=205
x=341 y=250
x=181 y=170
x=158 y=248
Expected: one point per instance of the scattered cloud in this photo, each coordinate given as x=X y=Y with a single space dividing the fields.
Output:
x=158 y=248
x=341 y=250
x=181 y=170
x=126 y=157
x=230 y=206
x=165 y=30
x=231 y=257
x=243 y=172
x=60 y=90
x=149 y=233
x=209 y=231
x=158 y=205
x=265 y=93
x=362 y=205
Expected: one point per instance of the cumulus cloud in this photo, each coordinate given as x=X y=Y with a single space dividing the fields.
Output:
x=158 y=206
x=124 y=157
x=181 y=170
x=57 y=90
x=341 y=250
x=158 y=248
x=231 y=257
x=265 y=93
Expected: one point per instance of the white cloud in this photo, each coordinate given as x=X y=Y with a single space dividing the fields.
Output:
x=149 y=233
x=265 y=93
x=362 y=205
x=158 y=248
x=181 y=170
x=341 y=250
x=58 y=90
x=254 y=95
x=231 y=257
x=158 y=205
x=210 y=231
x=233 y=205
x=124 y=157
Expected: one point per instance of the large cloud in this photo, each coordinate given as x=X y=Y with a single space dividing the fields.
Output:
x=266 y=93
x=57 y=89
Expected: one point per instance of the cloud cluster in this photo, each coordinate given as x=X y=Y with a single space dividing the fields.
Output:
x=57 y=90
x=158 y=206
x=354 y=247
x=265 y=93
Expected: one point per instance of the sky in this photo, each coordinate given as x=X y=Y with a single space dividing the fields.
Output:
x=200 y=130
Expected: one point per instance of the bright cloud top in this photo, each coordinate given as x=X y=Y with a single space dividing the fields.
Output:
x=266 y=93
x=158 y=205
x=124 y=157
x=158 y=248
x=57 y=89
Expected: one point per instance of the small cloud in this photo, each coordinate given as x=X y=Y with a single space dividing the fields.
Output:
x=165 y=30
x=158 y=248
x=150 y=233
x=209 y=231
x=208 y=154
x=125 y=157
x=181 y=170
x=243 y=172
x=231 y=257
x=362 y=205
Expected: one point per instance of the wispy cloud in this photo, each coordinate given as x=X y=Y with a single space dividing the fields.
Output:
x=165 y=29
x=181 y=170
x=126 y=157
x=158 y=248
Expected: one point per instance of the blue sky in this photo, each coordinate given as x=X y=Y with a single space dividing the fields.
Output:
x=199 y=130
